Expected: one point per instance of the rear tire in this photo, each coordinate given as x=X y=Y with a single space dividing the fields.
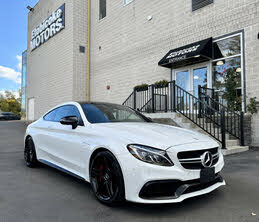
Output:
x=106 y=179
x=30 y=156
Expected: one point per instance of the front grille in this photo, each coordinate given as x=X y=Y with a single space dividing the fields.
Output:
x=192 y=159
x=172 y=189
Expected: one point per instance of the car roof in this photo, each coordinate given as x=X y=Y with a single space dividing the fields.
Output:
x=80 y=103
x=96 y=103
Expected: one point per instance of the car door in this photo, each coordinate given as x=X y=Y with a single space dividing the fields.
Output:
x=43 y=138
x=66 y=148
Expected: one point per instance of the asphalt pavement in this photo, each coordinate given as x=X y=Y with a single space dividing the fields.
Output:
x=46 y=195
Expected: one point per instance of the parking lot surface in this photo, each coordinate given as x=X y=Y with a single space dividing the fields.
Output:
x=44 y=194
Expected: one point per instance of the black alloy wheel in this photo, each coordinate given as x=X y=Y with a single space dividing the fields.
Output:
x=30 y=153
x=106 y=179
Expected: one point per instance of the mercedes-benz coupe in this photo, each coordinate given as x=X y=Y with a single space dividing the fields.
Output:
x=123 y=154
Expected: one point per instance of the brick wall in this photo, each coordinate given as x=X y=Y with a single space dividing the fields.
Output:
x=126 y=47
x=56 y=70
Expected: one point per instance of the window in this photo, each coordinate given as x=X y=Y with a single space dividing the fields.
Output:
x=102 y=9
x=67 y=111
x=50 y=116
x=197 y=4
x=127 y=2
x=105 y=113
x=61 y=112
x=227 y=71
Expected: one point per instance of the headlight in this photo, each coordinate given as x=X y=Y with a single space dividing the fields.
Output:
x=150 y=155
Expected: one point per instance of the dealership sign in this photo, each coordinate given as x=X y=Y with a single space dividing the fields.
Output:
x=48 y=28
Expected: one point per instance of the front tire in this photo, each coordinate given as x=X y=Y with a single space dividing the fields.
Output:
x=106 y=179
x=30 y=156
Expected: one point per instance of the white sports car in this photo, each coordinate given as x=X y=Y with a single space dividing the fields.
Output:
x=123 y=154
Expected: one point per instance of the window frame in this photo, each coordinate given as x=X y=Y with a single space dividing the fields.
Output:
x=241 y=55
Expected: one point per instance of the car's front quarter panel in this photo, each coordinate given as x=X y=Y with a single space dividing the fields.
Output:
x=137 y=174
x=94 y=139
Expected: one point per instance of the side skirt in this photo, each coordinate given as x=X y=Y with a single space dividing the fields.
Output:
x=61 y=169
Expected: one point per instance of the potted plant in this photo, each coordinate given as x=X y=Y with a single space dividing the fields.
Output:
x=161 y=84
x=142 y=87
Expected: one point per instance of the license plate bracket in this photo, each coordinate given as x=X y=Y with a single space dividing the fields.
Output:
x=207 y=175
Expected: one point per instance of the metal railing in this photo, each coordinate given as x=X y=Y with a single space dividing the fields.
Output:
x=204 y=111
x=211 y=120
x=150 y=99
x=233 y=119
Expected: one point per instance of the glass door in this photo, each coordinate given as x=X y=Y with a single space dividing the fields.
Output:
x=189 y=78
x=200 y=77
x=183 y=80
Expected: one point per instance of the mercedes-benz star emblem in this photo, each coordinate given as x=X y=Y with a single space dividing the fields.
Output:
x=207 y=159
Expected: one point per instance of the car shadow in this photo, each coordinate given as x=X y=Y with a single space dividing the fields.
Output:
x=174 y=208
x=136 y=208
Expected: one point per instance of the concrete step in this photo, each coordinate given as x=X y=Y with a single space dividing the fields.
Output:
x=234 y=149
x=232 y=143
x=166 y=121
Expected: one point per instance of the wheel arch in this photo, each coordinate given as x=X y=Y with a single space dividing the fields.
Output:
x=100 y=149
x=95 y=152
x=26 y=139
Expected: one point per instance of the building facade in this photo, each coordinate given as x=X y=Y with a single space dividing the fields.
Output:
x=214 y=44
x=24 y=83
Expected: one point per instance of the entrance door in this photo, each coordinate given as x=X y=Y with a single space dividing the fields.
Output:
x=200 y=77
x=183 y=80
x=189 y=78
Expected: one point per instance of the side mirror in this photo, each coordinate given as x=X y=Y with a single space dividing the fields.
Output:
x=70 y=120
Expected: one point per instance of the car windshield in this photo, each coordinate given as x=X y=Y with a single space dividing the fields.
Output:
x=106 y=113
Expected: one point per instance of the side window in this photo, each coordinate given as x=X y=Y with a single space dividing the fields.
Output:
x=74 y=112
x=50 y=116
x=67 y=111
x=61 y=113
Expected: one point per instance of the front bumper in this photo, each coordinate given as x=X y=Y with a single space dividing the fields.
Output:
x=137 y=174
x=173 y=189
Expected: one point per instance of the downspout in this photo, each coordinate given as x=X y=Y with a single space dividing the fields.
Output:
x=88 y=52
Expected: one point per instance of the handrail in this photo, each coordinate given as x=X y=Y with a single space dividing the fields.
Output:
x=127 y=99
x=211 y=120
x=233 y=119
x=205 y=111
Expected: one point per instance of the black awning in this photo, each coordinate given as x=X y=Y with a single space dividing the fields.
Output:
x=187 y=55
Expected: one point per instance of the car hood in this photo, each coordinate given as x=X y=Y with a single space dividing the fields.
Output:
x=151 y=134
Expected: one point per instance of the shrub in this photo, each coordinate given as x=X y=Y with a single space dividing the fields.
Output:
x=141 y=87
x=161 y=84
